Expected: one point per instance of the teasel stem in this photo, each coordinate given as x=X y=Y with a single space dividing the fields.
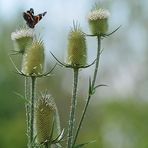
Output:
x=97 y=62
x=73 y=109
x=32 y=105
x=27 y=92
x=27 y=96
x=92 y=89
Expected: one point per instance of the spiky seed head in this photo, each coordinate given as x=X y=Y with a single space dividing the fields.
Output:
x=33 y=59
x=44 y=117
x=22 y=39
x=76 y=49
x=98 y=21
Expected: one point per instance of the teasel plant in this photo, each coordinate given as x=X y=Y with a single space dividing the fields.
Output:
x=43 y=124
x=98 y=24
x=76 y=59
x=31 y=49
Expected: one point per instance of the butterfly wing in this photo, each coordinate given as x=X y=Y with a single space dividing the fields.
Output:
x=38 y=17
x=29 y=19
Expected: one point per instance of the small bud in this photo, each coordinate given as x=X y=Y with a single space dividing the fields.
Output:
x=98 y=21
x=76 y=51
x=44 y=115
x=33 y=59
x=23 y=38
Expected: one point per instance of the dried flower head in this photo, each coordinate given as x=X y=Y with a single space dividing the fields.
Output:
x=98 y=21
x=44 y=115
x=33 y=59
x=98 y=14
x=76 y=50
x=22 y=39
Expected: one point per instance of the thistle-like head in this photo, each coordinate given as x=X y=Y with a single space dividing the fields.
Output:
x=98 y=20
x=33 y=59
x=45 y=116
x=22 y=39
x=76 y=49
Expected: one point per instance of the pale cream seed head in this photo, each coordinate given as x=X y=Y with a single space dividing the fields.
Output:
x=98 y=21
x=44 y=115
x=33 y=59
x=22 y=39
x=98 y=14
x=76 y=47
x=24 y=32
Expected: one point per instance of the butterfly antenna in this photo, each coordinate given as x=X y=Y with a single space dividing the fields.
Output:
x=44 y=13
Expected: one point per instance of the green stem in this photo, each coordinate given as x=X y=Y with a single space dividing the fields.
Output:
x=73 y=109
x=27 y=96
x=33 y=78
x=27 y=88
x=92 y=87
x=97 y=62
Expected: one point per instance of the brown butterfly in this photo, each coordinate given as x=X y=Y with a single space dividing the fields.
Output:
x=31 y=19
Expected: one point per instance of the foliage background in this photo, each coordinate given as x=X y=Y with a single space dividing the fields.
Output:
x=117 y=116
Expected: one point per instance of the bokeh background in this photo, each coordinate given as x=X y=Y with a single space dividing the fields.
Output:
x=118 y=114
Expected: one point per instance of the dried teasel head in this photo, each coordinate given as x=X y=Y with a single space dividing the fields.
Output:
x=22 y=38
x=76 y=49
x=98 y=20
x=33 y=59
x=45 y=117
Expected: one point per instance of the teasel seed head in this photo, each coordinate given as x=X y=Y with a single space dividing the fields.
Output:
x=76 y=50
x=45 y=115
x=22 y=39
x=33 y=59
x=98 y=21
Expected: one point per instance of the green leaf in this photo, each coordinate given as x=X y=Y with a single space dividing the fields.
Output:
x=94 y=89
x=100 y=85
x=83 y=144
x=20 y=96
x=59 y=137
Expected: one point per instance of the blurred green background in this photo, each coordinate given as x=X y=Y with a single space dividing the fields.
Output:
x=118 y=114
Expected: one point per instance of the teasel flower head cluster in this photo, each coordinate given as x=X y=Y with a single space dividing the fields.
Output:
x=76 y=48
x=98 y=20
x=45 y=119
x=22 y=38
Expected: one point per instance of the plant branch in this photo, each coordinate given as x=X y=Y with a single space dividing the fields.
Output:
x=33 y=79
x=73 y=110
x=92 y=88
x=27 y=104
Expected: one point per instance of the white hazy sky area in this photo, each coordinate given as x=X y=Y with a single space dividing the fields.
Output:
x=57 y=22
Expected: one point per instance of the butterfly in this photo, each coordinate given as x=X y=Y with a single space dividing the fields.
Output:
x=31 y=19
